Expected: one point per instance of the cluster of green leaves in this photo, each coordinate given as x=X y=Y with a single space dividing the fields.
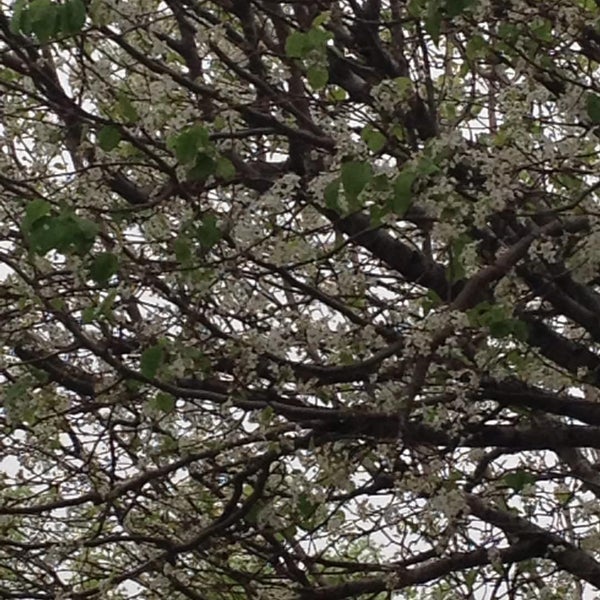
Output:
x=204 y=232
x=103 y=266
x=518 y=479
x=374 y=139
x=435 y=12
x=194 y=148
x=498 y=321
x=64 y=232
x=109 y=137
x=48 y=20
x=152 y=360
x=310 y=47
x=67 y=233
x=357 y=176
x=122 y=111
x=101 y=309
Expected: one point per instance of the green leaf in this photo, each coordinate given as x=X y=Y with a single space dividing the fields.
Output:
x=43 y=18
x=593 y=107
x=356 y=175
x=500 y=329
x=185 y=148
x=564 y=497
x=332 y=194
x=433 y=21
x=225 y=168
x=305 y=506
x=189 y=142
x=18 y=390
x=380 y=183
x=374 y=139
x=376 y=214
x=104 y=266
x=201 y=136
x=476 y=47
x=505 y=326
x=403 y=193
x=404 y=85
x=204 y=166
x=509 y=32
x=133 y=385
x=58 y=303
x=183 y=250
x=317 y=38
x=209 y=233
x=336 y=93
x=164 y=402
x=321 y=19
x=253 y=514
x=520 y=330
x=427 y=166
x=266 y=415
x=151 y=360
x=471 y=578
x=72 y=16
x=109 y=137
x=456 y=7
x=17 y=17
x=519 y=479
x=543 y=30
x=415 y=8
x=317 y=77
x=100 y=12
x=296 y=45
x=65 y=233
x=498 y=320
x=34 y=211
x=44 y=235
x=126 y=108
x=78 y=234
x=478 y=314
x=300 y=44
x=106 y=306
x=88 y=314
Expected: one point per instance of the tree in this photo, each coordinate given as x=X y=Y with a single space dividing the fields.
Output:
x=300 y=300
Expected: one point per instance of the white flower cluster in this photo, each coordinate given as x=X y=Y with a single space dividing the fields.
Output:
x=436 y=321
x=156 y=227
x=389 y=396
x=585 y=264
x=280 y=193
x=572 y=104
x=317 y=185
x=247 y=231
x=482 y=11
x=272 y=342
x=445 y=231
x=571 y=20
x=546 y=248
x=348 y=143
x=389 y=94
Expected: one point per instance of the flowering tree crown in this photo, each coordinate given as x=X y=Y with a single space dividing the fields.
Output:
x=299 y=300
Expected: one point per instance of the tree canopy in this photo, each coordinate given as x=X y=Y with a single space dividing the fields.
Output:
x=299 y=300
